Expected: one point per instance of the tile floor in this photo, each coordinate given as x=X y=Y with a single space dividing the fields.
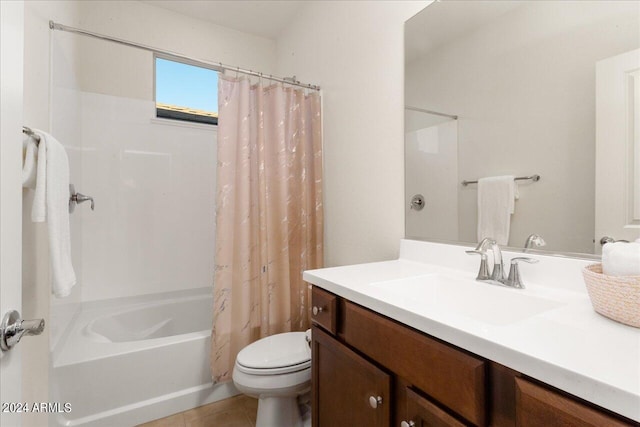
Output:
x=238 y=411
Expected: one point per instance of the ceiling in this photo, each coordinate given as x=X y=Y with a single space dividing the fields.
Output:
x=261 y=18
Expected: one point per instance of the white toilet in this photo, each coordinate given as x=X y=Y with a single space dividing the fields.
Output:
x=276 y=370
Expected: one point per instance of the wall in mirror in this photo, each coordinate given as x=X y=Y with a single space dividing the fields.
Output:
x=509 y=88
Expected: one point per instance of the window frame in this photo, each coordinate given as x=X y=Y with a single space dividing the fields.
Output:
x=177 y=116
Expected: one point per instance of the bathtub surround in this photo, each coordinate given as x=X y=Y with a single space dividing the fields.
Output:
x=431 y=169
x=269 y=217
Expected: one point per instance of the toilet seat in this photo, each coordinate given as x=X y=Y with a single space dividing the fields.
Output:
x=276 y=354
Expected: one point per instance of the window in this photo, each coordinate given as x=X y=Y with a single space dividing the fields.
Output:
x=186 y=92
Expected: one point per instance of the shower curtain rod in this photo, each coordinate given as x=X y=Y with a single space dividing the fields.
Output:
x=422 y=110
x=217 y=65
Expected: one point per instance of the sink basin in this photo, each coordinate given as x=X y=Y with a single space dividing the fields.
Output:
x=483 y=302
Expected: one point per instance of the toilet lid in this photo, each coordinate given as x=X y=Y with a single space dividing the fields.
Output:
x=277 y=352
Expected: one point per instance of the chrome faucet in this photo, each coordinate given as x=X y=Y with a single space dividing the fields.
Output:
x=77 y=198
x=533 y=239
x=497 y=274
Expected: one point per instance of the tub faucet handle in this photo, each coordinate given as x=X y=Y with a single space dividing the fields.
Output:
x=77 y=198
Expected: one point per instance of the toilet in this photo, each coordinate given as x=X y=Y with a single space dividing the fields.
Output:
x=277 y=371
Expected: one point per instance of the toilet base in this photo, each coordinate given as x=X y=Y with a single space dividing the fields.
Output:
x=278 y=412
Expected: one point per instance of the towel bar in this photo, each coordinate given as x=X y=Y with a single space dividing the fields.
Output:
x=534 y=178
x=27 y=131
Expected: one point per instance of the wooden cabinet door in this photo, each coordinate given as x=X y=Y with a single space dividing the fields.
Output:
x=343 y=385
x=538 y=406
x=423 y=413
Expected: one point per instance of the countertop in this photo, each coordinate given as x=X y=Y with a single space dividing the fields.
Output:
x=570 y=347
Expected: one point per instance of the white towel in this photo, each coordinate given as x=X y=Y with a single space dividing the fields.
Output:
x=621 y=259
x=496 y=203
x=34 y=175
x=51 y=203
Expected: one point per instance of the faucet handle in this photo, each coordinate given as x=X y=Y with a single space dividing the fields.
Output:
x=483 y=272
x=77 y=198
x=515 y=280
x=514 y=261
x=533 y=240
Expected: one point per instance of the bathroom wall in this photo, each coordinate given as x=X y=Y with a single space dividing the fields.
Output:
x=551 y=65
x=354 y=50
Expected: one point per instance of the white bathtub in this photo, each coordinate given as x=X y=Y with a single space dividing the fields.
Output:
x=127 y=361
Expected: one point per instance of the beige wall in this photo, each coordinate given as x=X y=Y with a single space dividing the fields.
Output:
x=354 y=50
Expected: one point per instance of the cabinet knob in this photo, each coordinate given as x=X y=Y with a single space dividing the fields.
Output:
x=374 y=401
x=407 y=424
x=315 y=310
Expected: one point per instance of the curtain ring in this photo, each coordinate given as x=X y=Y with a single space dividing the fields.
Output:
x=237 y=71
x=260 y=79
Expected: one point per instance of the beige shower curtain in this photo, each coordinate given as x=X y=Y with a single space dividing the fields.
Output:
x=269 y=222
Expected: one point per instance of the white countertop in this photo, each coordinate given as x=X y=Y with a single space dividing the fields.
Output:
x=570 y=347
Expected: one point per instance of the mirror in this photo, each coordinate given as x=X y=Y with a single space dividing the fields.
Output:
x=508 y=88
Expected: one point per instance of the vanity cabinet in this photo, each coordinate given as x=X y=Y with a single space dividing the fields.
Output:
x=369 y=370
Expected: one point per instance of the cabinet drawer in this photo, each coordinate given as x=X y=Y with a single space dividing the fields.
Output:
x=453 y=378
x=539 y=406
x=422 y=412
x=323 y=309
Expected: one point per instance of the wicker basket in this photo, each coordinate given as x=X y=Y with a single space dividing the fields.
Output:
x=616 y=297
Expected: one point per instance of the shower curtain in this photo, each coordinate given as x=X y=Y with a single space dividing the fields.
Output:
x=269 y=219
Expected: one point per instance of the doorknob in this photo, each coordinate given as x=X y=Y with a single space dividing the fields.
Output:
x=607 y=239
x=13 y=328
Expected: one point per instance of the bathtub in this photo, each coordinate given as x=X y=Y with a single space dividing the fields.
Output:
x=131 y=360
